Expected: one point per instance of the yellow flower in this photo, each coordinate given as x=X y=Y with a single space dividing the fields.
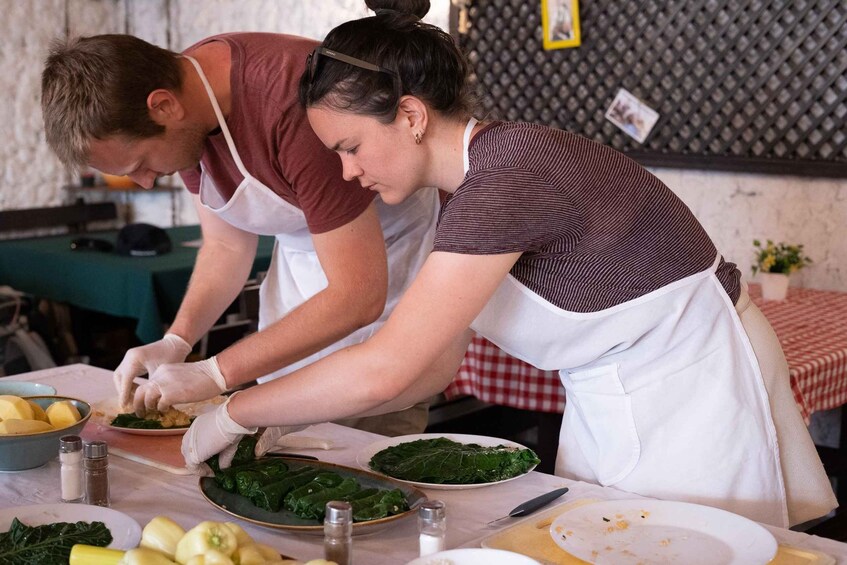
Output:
x=768 y=262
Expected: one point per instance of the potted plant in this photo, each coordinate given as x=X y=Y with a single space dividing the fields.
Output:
x=774 y=262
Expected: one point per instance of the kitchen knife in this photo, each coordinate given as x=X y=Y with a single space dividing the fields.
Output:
x=530 y=506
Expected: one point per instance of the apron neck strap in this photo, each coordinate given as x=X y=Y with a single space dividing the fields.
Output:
x=466 y=141
x=221 y=121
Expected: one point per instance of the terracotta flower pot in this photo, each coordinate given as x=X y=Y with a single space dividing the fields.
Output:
x=774 y=286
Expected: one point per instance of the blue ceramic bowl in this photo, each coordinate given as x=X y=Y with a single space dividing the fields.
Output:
x=26 y=451
x=23 y=388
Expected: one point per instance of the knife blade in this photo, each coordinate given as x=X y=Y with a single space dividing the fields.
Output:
x=530 y=506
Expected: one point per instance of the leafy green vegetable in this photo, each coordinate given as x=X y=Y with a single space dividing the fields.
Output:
x=248 y=481
x=50 y=543
x=314 y=505
x=443 y=461
x=386 y=503
x=243 y=454
x=306 y=490
x=270 y=497
x=136 y=423
x=272 y=486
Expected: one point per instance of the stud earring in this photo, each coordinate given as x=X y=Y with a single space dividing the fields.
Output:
x=418 y=137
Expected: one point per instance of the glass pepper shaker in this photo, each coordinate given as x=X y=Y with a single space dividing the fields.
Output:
x=71 y=472
x=338 y=532
x=96 y=465
x=432 y=523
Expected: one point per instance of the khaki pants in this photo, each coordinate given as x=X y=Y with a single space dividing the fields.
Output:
x=412 y=420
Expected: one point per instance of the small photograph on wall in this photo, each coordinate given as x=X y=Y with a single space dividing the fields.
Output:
x=560 y=23
x=631 y=115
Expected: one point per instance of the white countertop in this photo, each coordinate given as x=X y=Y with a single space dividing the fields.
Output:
x=143 y=492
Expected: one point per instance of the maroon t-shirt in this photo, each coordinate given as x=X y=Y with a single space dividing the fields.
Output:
x=273 y=136
x=595 y=228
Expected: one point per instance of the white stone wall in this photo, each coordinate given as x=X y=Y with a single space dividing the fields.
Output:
x=734 y=208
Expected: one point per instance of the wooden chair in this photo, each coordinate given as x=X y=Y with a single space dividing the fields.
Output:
x=74 y=218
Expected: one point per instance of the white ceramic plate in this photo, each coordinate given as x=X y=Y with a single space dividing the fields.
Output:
x=474 y=556
x=627 y=532
x=104 y=412
x=364 y=456
x=126 y=533
x=25 y=388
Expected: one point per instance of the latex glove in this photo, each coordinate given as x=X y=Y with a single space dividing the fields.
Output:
x=176 y=383
x=210 y=434
x=146 y=359
x=267 y=441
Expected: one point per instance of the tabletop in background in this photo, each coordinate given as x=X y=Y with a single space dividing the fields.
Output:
x=148 y=289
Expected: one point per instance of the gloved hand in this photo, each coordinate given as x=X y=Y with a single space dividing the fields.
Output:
x=179 y=382
x=267 y=441
x=146 y=359
x=212 y=433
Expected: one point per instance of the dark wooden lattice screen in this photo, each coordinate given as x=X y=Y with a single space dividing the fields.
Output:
x=739 y=85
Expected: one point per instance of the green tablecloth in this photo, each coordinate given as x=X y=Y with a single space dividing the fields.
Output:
x=148 y=289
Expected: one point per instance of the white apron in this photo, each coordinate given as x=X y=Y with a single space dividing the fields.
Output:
x=664 y=393
x=295 y=273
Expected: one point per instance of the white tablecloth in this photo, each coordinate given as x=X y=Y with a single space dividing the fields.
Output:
x=143 y=492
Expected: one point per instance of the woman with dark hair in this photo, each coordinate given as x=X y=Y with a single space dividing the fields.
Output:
x=567 y=255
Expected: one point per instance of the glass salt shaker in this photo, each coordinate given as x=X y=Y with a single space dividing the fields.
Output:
x=432 y=523
x=70 y=472
x=338 y=532
x=96 y=465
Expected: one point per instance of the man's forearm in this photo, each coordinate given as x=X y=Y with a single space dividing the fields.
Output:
x=219 y=275
x=319 y=322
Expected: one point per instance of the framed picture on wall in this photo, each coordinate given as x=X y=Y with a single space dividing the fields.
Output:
x=560 y=23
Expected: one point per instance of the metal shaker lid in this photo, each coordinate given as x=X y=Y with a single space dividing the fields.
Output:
x=70 y=444
x=338 y=512
x=432 y=510
x=96 y=449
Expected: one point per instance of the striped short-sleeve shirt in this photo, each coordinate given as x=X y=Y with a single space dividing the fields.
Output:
x=595 y=229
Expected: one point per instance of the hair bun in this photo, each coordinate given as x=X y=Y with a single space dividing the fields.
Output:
x=418 y=8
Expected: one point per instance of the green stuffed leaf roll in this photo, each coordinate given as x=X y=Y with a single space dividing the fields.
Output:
x=314 y=505
x=385 y=503
x=321 y=482
x=270 y=497
x=248 y=481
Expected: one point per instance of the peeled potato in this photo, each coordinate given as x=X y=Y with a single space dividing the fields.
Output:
x=14 y=427
x=62 y=414
x=38 y=412
x=14 y=408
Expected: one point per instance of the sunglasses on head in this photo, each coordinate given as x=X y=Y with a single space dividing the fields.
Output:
x=314 y=57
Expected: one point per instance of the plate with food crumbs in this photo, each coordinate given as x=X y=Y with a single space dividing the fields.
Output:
x=638 y=532
x=174 y=421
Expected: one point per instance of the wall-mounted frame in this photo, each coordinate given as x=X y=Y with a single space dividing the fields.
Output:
x=560 y=23
x=738 y=86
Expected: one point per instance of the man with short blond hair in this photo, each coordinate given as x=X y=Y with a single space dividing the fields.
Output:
x=224 y=115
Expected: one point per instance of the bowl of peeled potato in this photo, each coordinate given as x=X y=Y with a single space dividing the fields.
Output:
x=30 y=428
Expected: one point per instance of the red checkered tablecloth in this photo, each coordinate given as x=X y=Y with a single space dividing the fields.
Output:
x=811 y=326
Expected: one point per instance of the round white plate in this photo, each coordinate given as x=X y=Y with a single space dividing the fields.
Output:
x=126 y=533
x=364 y=456
x=104 y=412
x=474 y=556
x=25 y=388
x=661 y=531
